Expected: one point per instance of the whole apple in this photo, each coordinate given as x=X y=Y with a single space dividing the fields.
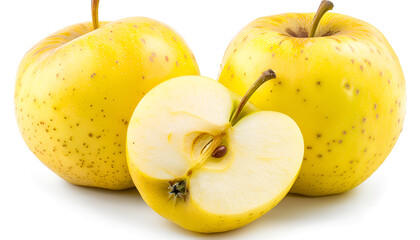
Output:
x=338 y=78
x=76 y=90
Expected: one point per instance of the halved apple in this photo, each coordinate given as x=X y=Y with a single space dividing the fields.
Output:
x=207 y=161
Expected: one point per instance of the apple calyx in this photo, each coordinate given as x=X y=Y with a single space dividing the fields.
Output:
x=95 y=18
x=178 y=189
x=324 y=7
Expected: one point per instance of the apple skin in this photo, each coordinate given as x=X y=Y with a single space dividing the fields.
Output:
x=344 y=87
x=76 y=90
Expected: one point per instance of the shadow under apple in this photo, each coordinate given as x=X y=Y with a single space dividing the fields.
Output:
x=293 y=214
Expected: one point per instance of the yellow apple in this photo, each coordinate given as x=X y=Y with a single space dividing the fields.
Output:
x=338 y=78
x=76 y=90
x=202 y=162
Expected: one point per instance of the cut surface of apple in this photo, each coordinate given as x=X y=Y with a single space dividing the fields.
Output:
x=172 y=135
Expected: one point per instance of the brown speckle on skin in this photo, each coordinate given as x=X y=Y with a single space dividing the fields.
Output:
x=347 y=86
x=352 y=61
x=166 y=58
x=361 y=68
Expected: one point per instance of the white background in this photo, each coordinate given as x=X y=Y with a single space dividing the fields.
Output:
x=36 y=204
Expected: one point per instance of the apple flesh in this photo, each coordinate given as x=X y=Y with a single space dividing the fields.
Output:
x=344 y=87
x=171 y=137
x=76 y=90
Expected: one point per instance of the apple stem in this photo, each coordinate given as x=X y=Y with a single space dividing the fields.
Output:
x=265 y=76
x=95 y=18
x=324 y=7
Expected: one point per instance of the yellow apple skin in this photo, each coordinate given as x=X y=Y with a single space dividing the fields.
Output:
x=188 y=214
x=344 y=87
x=76 y=90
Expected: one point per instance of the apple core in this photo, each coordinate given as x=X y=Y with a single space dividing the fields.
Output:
x=206 y=145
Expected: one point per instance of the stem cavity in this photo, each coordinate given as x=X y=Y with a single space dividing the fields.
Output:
x=324 y=7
